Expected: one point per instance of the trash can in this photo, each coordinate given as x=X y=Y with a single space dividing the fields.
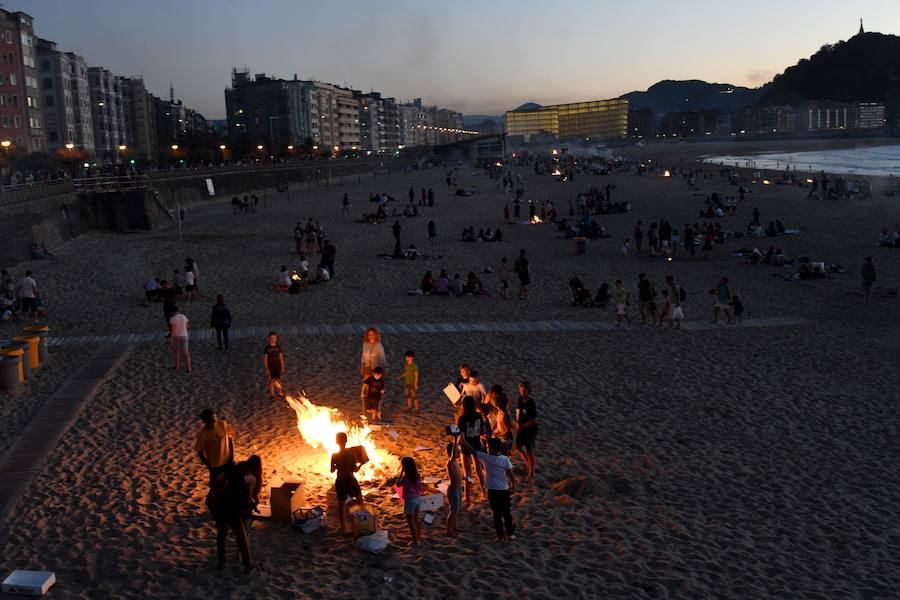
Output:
x=10 y=367
x=580 y=245
x=15 y=349
x=43 y=332
x=33 y=354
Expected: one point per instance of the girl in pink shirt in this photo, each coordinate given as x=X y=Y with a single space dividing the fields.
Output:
x=409 y=487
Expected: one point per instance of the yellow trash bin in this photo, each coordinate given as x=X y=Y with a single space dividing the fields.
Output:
x=18 y=352
x=43 y=332
x=34 y=350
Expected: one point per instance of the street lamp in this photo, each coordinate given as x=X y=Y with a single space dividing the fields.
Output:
x=123 y=147
x=69 y=146
x=259 y=147
x=222 y=147
x=174 y=146
x=6 y=143
x=290 y=147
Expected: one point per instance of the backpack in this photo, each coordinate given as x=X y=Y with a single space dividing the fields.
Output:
x=682 y=295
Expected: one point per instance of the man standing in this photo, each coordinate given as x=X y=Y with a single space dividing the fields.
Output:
x=273 y=363
x=178 y=334
x=645 y=297
x=868 y=276
x=215 y=444
x=638 y=237
x=521 y=268
x=328 y=254
x=346 y=203
x=503 y=274
x=27 y=291
x=298 y=237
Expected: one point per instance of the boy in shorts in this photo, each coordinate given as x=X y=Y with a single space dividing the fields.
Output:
x=273 y=363
x=346 y=463
x=410 y=379
x=372 y=393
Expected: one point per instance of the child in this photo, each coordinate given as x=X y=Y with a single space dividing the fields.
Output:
x=346 y=463
x=372 y=393
x=626 y=246
x=409 y=486
x=737 y=307
x=410 y=379
x=472 y=426
x=474 y=388
x=273 y=363
x=454 y=491
x=621 y=302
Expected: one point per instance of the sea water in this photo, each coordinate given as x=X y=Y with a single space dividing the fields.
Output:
x=877 y=161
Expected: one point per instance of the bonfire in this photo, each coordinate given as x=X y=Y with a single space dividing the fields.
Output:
x=318 y=425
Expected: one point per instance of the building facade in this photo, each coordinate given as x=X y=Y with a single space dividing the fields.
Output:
x=641 y=124
x=696 y=123
x=108 y=113
x=825 y=115
x=13 y=117
x=65 y=99
x=597 y=119
x=869 y=115
x=21 y=84
x=143 y=142
x=762 y=120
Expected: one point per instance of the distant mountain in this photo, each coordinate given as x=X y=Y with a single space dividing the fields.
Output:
x=866 y=67
x=668 y=96
x=469 y=120
x=528 y=106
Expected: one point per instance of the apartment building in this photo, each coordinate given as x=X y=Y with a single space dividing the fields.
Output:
x=65 y=99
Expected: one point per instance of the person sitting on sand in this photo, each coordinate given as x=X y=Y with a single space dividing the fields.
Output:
x=427 y=286
x=283 y=282
x=603 y=296
x=473 y=286
x=581 y=296
x=322 y=276
x=231 y=504
x=442 y=284
x=457 y=288
x=346 y=463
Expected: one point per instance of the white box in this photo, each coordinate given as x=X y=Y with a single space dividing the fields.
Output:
x=431 y=502
x=29 y=583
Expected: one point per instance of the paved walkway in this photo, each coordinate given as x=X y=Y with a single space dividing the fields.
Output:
x=28 y=453
x=326 y=329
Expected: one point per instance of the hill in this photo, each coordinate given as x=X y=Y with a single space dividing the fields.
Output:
x=669 y=95
x=865 y=67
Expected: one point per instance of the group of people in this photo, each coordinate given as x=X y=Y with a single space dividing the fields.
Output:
x=483 y=235
x=244 y=205
x=472 y=285
x=21 y=298
x=314 y=234
x=183 y=285
x=663 y=239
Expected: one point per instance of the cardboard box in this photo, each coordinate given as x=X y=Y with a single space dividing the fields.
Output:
x=285 y=500
x=431 y=502
x=29 y=583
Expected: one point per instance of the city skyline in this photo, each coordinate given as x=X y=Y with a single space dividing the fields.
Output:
x=495 y=58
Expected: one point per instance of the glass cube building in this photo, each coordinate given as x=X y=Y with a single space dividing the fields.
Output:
x=600 y=119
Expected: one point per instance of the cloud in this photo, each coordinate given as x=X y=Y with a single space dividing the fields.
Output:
x=757 y=77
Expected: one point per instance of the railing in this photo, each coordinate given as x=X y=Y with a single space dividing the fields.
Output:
x=12 y=195
x=110 y=183
x=319 y=165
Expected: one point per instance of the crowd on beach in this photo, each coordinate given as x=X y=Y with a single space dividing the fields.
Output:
x=482 y=438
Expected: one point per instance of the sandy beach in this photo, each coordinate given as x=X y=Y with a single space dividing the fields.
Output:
x=734 y=462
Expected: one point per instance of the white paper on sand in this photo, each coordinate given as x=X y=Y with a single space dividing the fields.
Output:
x=452 y=393
x=421 y=448
x=443 y=485
x=431 y=479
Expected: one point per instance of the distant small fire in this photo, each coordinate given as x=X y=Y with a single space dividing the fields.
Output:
x=667 y=174
x=536 y=219
x=556 y=172
x=318 y=425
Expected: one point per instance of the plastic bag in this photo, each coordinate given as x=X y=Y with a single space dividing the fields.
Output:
x=374 y=543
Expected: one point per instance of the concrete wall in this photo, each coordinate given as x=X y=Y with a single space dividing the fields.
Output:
x=54 y=214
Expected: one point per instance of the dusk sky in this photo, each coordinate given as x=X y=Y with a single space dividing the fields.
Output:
x=474 y=56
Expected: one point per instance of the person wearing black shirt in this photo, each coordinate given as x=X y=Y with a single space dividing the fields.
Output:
x=328 y=254
x=346 y=463
x=167 y=293
x=645 y=296
x=527 y=420
x=273 y=363
x=221 y=321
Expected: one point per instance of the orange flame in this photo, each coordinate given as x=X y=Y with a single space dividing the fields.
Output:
x=318 y=425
